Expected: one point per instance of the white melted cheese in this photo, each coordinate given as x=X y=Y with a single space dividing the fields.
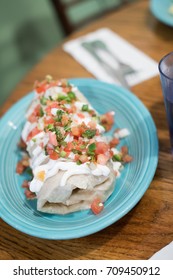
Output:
x=117 y=166
x=70 y=168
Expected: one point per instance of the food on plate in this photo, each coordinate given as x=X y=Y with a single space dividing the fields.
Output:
x=74 y=164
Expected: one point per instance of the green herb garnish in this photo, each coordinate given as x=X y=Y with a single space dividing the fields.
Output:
x=59 y=135
x=89 y=133
x=41 y=112
x=92 y=147
x=71 y=95
x=63 y=154
x=117 y=157
x=59 y=114
x=75 y=151
x=85 y=108
x=51 y=127
x=43 y=100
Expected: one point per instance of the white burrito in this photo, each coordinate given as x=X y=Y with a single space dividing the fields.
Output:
x=71 y=159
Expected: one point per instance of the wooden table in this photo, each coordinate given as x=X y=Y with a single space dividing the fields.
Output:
x=149 y=226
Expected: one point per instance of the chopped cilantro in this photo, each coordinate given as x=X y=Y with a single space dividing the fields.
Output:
x=41 y=112
x=51 y=127
x=117 y=157
x=89 y=133
x=61 y=97
x=45 y=149
x=67 y=127
x=59 y=135
x=63 y=154
x=85 y=108
x=92 y=147
x=43 y=100
x=59 y=114
x=75 y=151
x=57 y=149
x=82 y=147
x=71 y=95
x=63 y=143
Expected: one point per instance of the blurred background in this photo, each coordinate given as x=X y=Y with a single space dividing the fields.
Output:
x=29 y=29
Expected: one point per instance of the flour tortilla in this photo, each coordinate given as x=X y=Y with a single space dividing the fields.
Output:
x=79 y=191
x=76 y=195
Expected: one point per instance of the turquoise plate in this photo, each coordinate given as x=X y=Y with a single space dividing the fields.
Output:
x=159 y=9
x=130 y=187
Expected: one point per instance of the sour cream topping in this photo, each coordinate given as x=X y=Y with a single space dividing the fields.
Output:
x=121 y=133
x=71 y=168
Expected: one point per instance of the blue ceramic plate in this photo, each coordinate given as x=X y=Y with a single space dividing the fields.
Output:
x=130 y=187
x=160 y=8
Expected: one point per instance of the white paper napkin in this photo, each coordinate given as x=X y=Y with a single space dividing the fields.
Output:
x=164 y=254
x=144 y=67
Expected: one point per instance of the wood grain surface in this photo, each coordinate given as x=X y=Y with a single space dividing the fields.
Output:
x=149 y=226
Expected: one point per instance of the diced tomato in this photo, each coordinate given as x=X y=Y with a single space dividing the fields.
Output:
x=54 y=155
x=76 y=131
x=35 y=114
x=102 y=159
x=32 y=118
x=72 y=109
x=64 y=119
x=37 y=110
x=29 y=194
x=49 y=120
x=69 y=147
x=25 y=184
x=20 y=168
x=114 y=142
x=52 y=139
x=33 y=132
x=22 y=144
x=97 y=206
x=107 y=120
x=54 y=104
x=80 y=115
x=76 y=157
x=124 y=150
x=40 y=87
x=127 y=158
x=101 y=148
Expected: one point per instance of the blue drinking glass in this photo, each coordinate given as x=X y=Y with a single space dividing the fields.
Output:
x=166 y=76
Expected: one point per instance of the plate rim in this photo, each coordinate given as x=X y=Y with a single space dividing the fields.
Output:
x=84 y=82
x=163 y=19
